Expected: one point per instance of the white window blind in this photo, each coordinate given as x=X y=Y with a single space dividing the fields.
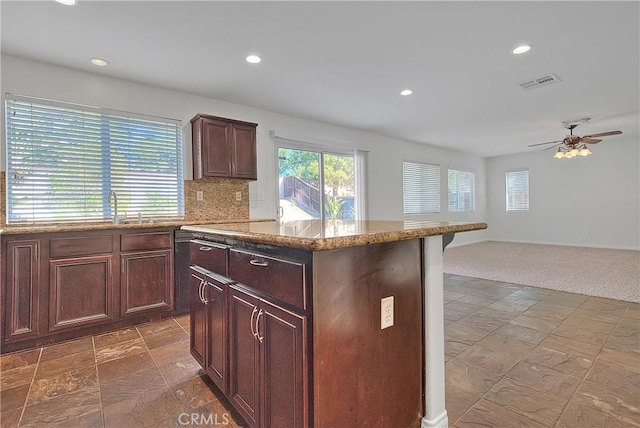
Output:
x=461 y=190
x=64 y=159
x=421 y=188
x=517 y=184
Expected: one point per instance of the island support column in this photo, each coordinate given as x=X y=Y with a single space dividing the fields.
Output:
x=433 y=283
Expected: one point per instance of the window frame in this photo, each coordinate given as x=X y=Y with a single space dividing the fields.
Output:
x=472 y=192
x=517 y=207
x=423 y=191
x=134 y=149
x=322 y=150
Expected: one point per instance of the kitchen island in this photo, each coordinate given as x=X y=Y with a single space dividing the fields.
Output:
x=323 y=323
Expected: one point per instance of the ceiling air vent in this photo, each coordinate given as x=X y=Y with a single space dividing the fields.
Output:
x=539 y=82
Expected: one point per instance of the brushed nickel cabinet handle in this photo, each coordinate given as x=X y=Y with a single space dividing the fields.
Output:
x=201 y=291
x=205 y=248
x=258 y=326
x=204 y=291
x=259 y=263
x=253 y=332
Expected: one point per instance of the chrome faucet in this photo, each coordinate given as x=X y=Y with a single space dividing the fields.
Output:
x=116 y=219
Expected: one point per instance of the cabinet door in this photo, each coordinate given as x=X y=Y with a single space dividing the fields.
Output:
x=146 y=282
x=282 y=365
x=243 y=152
x=216 y=151
x=80 y=292
x=216 y=298
x=198 y=319
x=23 y=276
x=244 y=368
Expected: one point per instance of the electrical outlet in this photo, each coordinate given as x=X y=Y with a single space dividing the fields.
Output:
x=199 y=195
x=386 y=312
x=238 y=196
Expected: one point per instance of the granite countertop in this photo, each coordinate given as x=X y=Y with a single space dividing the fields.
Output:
x=79 y=227
x=331 y=234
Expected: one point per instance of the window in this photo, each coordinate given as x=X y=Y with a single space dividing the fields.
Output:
x=64 y=159
x=517 y=184
x=421 y=188
x=461 y=190
x=314 y=184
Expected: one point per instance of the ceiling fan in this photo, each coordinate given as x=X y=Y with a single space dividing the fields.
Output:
x=574 y=145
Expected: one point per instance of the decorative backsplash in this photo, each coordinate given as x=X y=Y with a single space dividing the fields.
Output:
x=219 y=199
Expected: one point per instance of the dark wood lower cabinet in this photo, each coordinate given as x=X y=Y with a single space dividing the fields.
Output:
x=22 y=289
x=208 y=324
x=305 y=343
x=198 y=319
x=80 y=292
x=244 y=355
x=145 y=282
x=282 y=366
x=267 y=374
x=63 y=285
x=217 y=345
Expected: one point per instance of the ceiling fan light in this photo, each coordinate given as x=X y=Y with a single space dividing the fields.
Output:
x=559 y=154
x=585 y=151
x=574 y=152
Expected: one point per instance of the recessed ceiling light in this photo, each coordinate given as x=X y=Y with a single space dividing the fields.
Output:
x=67 y=2
x=521 y=49
x=253 y=59
x=406 y=92
x=99 y=62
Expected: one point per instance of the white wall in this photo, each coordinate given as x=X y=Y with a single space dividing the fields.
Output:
x=26 y=77
x=589 y=201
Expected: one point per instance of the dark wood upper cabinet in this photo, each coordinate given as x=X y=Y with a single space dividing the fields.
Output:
x=223 y=148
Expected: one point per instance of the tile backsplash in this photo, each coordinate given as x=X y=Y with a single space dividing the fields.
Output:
x=219 y=199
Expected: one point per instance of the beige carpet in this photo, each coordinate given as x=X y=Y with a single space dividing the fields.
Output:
x=613 y=274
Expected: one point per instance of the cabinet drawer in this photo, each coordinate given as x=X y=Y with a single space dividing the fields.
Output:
x=80 y=246
x=145 y=241
x=282 y=279
x=208 y=255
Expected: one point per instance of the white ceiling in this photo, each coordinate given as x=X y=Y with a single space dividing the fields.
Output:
x=346 y=62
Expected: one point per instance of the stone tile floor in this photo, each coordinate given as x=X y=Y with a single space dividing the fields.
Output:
x=516 y=357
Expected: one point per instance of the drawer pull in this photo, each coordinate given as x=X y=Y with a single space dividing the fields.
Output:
x=259 y=263
x=205 y=248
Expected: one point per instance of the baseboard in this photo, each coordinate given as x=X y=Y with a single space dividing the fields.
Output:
x=564 y=244
x=462 y=244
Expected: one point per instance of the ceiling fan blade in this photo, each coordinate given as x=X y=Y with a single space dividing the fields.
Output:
x=589 y=140
x=553 y=147
x=603 y=134
x=540 y=144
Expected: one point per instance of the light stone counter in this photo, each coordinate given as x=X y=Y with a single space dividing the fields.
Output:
x=331 y=234
x=86 y=226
